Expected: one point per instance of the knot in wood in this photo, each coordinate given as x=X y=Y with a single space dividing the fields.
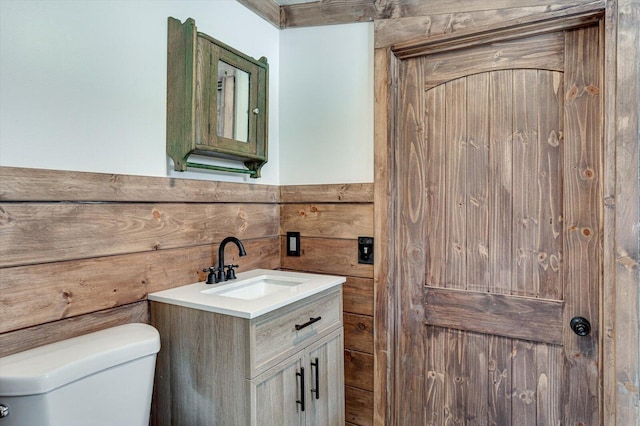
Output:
x=572 y=93
x=588 y=173
x=592 y=90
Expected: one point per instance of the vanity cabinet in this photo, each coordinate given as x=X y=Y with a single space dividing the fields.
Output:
x=306 y=389
x=221 y=369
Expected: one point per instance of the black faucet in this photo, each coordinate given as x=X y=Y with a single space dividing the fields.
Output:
x=230 y=274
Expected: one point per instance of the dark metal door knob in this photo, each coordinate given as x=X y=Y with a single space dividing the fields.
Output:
x=580 y=325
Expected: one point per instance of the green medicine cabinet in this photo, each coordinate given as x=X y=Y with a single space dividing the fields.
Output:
x=216 y=101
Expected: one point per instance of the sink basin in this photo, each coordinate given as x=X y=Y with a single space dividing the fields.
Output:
x=256 y=288
x=252 y=294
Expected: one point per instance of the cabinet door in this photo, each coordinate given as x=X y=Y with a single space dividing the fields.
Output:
x=325 y=397
x=275 y=394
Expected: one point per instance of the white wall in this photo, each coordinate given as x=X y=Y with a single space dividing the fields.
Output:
x=83 y=87
x=326 y=104
x=83 y=83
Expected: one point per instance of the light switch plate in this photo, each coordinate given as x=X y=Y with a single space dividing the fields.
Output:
x=293 y=244
x=365 y=250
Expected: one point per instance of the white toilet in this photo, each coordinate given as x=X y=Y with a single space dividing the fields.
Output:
x=102 y=378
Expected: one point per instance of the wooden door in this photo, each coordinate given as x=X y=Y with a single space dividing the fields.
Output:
x=499 y=232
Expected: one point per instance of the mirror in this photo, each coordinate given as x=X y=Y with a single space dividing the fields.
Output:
x=232 y=102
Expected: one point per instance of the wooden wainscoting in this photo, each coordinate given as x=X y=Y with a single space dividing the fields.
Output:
x=80 y=252
x=330 y=218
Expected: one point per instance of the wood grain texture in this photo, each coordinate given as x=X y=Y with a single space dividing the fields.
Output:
x=329 y=256
x=398 y=30
x=525 y=236
x=338 y=220
x=477 y=178
x=358 y=406
x=22 y=184
x=328 y=407
x=182 y=365
x=500 y=379
x=273 y=336
x=45 y=232
x=358 y=369
x=526 y=318
x=500 y=187
x=457 y=378
x=435 y=391
x=455 y=274
x=52 y=291
x=328 y=12
x=542 y=52
x=410 y=241
x=436 y=190
x=579 y=16
x=54 y=331
x=537 y=184
x=621 y=301
x=358 y=296
x=548 y=361
x=610 y=215
x=212 y=369
x=583 y=232
x=384 y=272
x=181 y=54
x=358 y=332
x=327 y=193
x=275 y=395
x=550 y=128
x=330 y=218
x=524 y=217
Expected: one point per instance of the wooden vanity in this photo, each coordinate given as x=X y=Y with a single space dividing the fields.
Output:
x=284 y=367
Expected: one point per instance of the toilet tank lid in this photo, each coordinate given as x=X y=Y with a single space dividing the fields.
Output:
x=48 y=367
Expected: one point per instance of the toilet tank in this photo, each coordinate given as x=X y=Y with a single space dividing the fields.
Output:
x=101 y=378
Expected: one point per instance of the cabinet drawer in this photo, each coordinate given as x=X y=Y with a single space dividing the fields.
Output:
x=275 y=335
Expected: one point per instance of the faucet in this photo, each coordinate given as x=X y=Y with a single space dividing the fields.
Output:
x=220 y=275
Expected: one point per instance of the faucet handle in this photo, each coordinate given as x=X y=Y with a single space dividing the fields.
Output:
x=212 y=278
x=231 y=274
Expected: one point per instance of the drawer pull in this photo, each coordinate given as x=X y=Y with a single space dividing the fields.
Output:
x=308 y=323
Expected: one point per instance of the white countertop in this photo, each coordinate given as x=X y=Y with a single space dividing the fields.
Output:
x=205 y=296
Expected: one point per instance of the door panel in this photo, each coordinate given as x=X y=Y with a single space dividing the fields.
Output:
x=275 y=393
x=326 y=382
x=499 y=222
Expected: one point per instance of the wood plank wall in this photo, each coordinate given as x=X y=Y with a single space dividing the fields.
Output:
x=330 y=218
x=80 y=252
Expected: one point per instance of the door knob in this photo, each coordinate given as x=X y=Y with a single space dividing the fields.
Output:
x=580 y=326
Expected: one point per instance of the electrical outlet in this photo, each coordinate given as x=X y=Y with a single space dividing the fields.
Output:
x=365 y=250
